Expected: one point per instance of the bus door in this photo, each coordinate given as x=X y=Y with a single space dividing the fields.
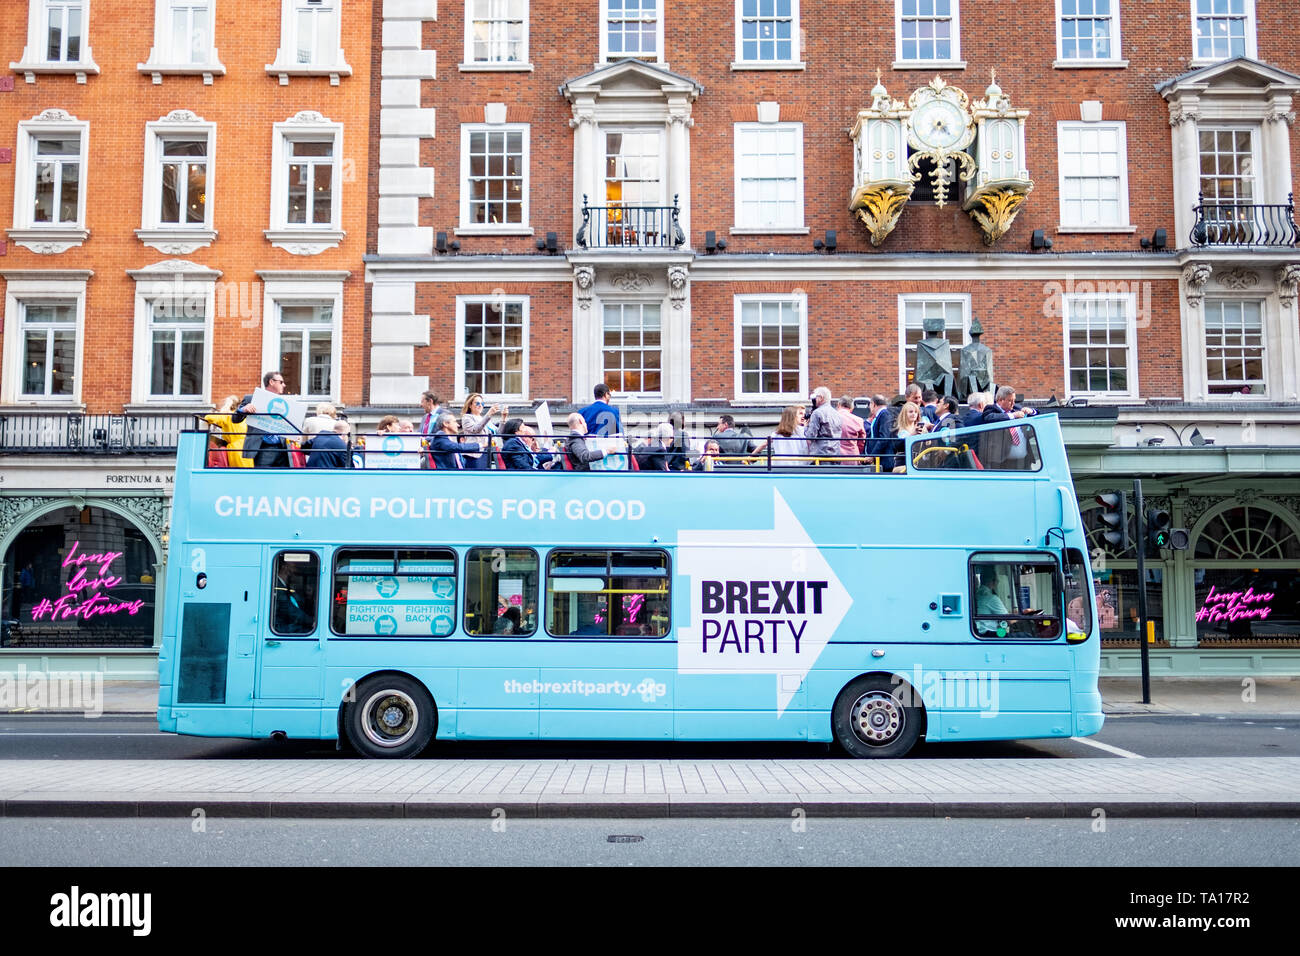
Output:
x=609 y=669
x=290 y=653
x=216 y=646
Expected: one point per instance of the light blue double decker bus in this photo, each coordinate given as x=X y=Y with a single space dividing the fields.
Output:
x=394 y=607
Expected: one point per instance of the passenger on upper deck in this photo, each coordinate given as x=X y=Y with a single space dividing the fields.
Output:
x=825 y=427
x=266 y=450
x=601 y=417
x=447 y=452
x=518 y=452
x=853 y=433
x=658 y=454
x=432 y=406
x=787 y=441
x=575 y=446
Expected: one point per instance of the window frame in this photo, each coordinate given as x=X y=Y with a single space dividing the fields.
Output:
x=48 y=287
x=1044 y=558
x=291 y=288
x=1068 y=302
x=470 y=63
x=741 y=225
x=186 y=282
x=953 y=62
x=1211 y=302
x=182 y=238
x=35 y=60
x=1116 y=59
x=164 y=60
x=795 y=62
x=305 y=238
x=1250 y=35
x=316 y=616
x=545 y=580
x=1121 y=128
x=467 y=225
x=329 y=62
x=605 y=56
x=464 y=611
x=908 y=297
x=395 y=550
x=739 y=300
x=26 y=159
x=462 y=386
x=623 y=302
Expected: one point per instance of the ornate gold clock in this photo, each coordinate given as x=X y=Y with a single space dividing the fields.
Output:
x=940 y=128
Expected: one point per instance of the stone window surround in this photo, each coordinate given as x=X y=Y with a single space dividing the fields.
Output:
x=1130 y=346
x=801 y=300
x=954 y=62
x=175 y=238
x=289 y=287
x=162 y=60
x=1114 y=61
x=35 y=285
x=286 y=64
x=903 y=299
x=33 y=60
x=1122 y=226
x=171 y=277
x=308 y=239
x=40 y=238
x=460 y=385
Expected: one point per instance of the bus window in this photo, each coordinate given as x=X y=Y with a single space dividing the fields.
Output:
x=501 y=591
x=294 y=594
x=1078 y=597
x=389 y=592
x=1015 y=596
x=1014 y=448
x=607 y=593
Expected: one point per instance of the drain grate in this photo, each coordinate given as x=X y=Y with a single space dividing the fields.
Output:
x=624 y=838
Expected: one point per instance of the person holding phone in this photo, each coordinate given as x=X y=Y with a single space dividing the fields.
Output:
x=476 y=426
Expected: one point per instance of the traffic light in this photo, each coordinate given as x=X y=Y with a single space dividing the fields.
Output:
x=1114 y=518
x=1161 y=535
x=1158 y=522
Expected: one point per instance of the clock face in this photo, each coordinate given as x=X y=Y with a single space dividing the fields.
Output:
x=938 y=124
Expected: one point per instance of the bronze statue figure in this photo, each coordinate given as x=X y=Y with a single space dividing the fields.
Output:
x=976 y=365
x=934 y=358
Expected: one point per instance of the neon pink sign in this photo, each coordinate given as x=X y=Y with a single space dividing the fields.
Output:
x=85 y=598
x=1244 y=605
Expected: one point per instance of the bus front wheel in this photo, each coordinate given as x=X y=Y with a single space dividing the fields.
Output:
x=875 y=717
x=391 y=716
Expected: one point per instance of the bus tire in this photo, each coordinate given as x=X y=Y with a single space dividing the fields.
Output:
x=391 y=715
x=874 y=717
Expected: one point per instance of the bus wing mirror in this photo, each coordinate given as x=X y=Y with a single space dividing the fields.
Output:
x=1069 y=508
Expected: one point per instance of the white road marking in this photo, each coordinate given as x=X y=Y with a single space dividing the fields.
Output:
x=15 y=733
x=1117 y=751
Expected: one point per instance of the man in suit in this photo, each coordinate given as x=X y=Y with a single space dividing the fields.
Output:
x=1005 y=449
x=432 y=406
x=978 y=401
x=444 y=447
x=329 y=449
x=580 y=454
x=518 y=452
x=882 y=432
x=947 y=411
x=266 y=450
x=658 y=454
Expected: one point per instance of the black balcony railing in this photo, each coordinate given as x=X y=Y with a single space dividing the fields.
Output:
x=1245 y=224
x=63 y=432
x=621 y=225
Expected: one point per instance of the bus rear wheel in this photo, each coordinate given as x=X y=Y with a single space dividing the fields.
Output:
x=873 y=717
x=391 y=716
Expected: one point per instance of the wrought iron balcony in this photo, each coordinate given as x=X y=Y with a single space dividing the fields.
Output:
x=622 y=226
x=1245 y=224
x=37 y=432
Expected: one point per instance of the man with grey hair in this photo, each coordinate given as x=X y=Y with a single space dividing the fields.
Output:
x=977 y=401
x=444 y=448
x=824 y=427
x=579 y=453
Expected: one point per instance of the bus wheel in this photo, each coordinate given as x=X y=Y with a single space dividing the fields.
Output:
x=872 y=718
x=392 y=716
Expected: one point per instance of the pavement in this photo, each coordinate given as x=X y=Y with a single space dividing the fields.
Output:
x=550 y=788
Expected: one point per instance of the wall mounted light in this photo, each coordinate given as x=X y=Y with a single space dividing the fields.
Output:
x=1039 y=240
x=1159 y=240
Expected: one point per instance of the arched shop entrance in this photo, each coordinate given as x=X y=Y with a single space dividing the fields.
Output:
x=1245 y=564
x=78 y=576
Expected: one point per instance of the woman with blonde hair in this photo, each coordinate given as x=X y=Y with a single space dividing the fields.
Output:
x=476 y=427
x=226 y=443
x=909 y=422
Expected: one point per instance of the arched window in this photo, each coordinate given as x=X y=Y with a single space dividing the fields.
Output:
x=78 y=577
x=1248 y=533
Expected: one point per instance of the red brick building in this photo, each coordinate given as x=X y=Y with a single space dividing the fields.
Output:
x=188 y=186
x=711 y=207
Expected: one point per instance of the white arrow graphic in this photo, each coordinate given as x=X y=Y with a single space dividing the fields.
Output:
x=762 y=602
